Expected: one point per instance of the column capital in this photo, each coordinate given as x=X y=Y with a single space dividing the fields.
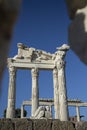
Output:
x=35 y=72
x=12 y=70
x=9 y=61
x=61 y=51
x=60 y=55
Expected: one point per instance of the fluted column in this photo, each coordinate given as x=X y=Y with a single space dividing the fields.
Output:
x=11 y=93
x=35 y=91
x=56 y=95
x=78 y=113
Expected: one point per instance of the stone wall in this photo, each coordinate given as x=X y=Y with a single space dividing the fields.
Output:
x=43 y=124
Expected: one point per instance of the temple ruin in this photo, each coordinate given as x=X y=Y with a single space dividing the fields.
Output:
x=35 y=60
x=50 y=102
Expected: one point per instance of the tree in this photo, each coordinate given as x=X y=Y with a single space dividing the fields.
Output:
x=17 y=113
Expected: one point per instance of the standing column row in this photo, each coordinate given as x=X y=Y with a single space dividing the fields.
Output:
x=11 y=93
x=35 y=90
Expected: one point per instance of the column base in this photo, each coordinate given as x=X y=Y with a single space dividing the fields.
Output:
x=10 y=113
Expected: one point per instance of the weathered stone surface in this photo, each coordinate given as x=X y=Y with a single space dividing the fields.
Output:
x=77 y=32
x=58 y=125
x=8 y=14
x=23 y=124
x=11 y=93
x=62 y=92
x=6 y=124
x=42 y=113
x=81 y=126
x=42 y=124
x=35 y=90
x=32 y=54
x=74 y=5
x=46 y=61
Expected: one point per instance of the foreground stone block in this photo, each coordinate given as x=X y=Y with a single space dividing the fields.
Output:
x=6 y=124
x=58 y=125
x=74 y=5
x=77 y=31
x=23 y=124
x=42 y=124
x=81 y=126
x=8 y=14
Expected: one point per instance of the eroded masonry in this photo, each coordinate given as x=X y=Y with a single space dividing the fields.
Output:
x=35 y=60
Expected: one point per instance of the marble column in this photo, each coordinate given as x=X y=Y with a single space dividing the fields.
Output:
x=35 y=91
x=11 y=93
x=62 y=91
x=78 y=113
x=22 y=111
x=56 y=95
x=60 y=65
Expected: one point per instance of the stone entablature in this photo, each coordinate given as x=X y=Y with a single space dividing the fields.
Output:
x=32 y=55
x=35 y=60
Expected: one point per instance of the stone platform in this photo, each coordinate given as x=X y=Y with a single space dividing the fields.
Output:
x=28 y=124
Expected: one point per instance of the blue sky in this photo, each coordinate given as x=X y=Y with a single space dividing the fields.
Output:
x=43 y=24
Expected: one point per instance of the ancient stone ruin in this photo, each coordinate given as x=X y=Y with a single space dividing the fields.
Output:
x=77 y=31
x=35 y=60
x=50 y=102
